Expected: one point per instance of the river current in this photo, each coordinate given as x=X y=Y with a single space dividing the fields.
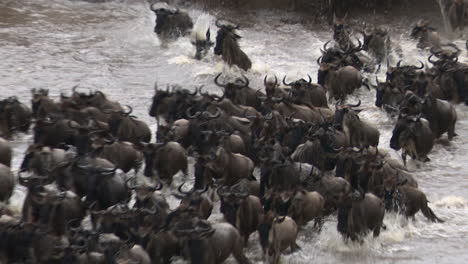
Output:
x=57 y=44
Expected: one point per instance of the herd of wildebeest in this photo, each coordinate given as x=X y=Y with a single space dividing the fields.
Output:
x=315 y=160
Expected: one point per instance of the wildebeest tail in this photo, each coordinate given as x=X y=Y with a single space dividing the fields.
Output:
x=427 y=211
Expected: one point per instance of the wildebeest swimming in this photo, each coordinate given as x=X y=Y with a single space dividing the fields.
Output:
x=313 y=159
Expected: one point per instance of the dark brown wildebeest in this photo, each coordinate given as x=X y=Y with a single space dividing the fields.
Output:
x=127 y=128
x=202 y=44
x=304 y=206
x=197 y=200
x=47 y=205
x=426 y=35
x=361 y=134
x=166 y=159
x=414 y=135
x=14 y=116
x=170 y=21
x=205 y=243
x=42 y=105
x=240 y=209
x=356 y=217
x=227 y=46
x=239 y=92
x=276 y=235
x=341 y=82
x=306 y=93
x=456 y=15
x=409 y=200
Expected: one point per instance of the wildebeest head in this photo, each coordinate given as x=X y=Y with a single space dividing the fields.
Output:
x=420 y=28
x=202 y=44
x=163 y=11
x=341 y=111
x=404 y=130
x=387 y=94
x=231 y=199
x=37 y=96
x=298 y=87
x=151 y=152
x=270 y=86
x=341 y=33
x=226 y=30
x=232 y=90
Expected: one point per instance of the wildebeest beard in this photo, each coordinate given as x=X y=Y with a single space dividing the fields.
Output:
x=230 y=212
x=197 y=249
x=343 y=213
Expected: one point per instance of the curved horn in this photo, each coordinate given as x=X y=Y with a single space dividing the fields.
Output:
x=398 y=64
x=246 y=82
x=356 y=105
x=310 y=79
x=181 y=191
x=217 y=23
x=421 y=67
x=130 y=110
x=216 y=81
x=215 y=115
x=200 y=92
x=204 y=190
x=325 y=46
x=190 y=116
x=319 y=60
x=265 y=80
x=287 y=84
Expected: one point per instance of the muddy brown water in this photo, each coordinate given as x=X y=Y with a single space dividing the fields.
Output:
x=57 y=44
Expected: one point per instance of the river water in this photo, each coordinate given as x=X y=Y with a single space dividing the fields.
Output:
x=57 y=44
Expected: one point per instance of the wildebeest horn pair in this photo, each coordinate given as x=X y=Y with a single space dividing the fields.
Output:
x=227 y=26
x=245 y=84
x=265 y=80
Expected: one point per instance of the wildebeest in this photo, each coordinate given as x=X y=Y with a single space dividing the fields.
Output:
x=49 y=206
x=388 y=96
x=409 y=200
x=124 y=155
x=125 y=127
x=360 y=133
x=414 y=135
x=201 y=37
x=377 y=43
x=426 y=35
x=14 y=116
x=276 y=235
x=240 y=209
x=170 y=21
x=228 y=166
x=197 y=200
x=239 y=92
x=441 y=115
x=227 y=46
x=361 y=216
x=339 y=83
x=306 y=206
x=166 y=159
x=42 y=160
x=94 y=178
x=306 y=93
x=206 y=243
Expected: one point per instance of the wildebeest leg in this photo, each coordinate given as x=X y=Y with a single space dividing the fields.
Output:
x=294 y=247
x=239 y=254
x=318 y=223
x=403 y=157
x=451 y=131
